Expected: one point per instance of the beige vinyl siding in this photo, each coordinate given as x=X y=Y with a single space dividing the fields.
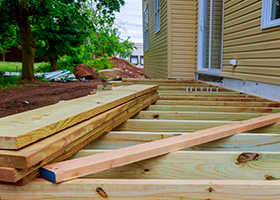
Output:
x=257 y=50
x=182 y=41
x=155 y=59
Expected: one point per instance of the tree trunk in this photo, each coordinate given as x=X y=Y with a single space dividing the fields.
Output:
x=53 y=62
x=4 y=56
x=27 y=41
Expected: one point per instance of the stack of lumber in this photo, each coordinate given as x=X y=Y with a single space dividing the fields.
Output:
x=32 y=139
x=242 y=166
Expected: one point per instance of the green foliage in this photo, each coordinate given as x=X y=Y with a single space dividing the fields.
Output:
x=8 y=82
x=101 y=63
x=108 y=41
x=14 y=66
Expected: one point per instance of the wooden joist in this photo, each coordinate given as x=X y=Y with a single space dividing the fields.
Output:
x=172 y=115
x=245 y=142
x=146 y=125
x=145 y=189
x=17 y=131
x=218 y=103
x=213 y=109
x=71 y=169
x=64 y=147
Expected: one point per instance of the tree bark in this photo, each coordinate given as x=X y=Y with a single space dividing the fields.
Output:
x=27 y=41
x=4 y=56
x=53 y=62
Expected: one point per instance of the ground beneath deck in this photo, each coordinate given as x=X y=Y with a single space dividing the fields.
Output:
x=41 y=94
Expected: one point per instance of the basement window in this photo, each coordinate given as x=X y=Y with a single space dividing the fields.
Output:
x=146 y=28
x=157 y=16
x=270 y=13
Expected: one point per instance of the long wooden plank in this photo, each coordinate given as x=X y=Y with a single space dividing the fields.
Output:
x=218 y=103
x=246 y=142
x=212 y=109
x=33 y=154
x=174 y=115
x=19 y=176
x=204 y=98
x=67 y=170
x=19 y=130
x=157 y=189
x=183 y=126
x=195 y=165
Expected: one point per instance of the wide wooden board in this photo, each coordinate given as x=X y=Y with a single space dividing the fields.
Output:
x=22 y=129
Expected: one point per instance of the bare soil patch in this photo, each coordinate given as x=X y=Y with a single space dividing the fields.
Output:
x=41 y=94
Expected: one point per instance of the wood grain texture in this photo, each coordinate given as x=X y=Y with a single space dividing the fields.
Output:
x=33 y=154
x=143 y=125
x=241 y=109
x=196 y=165
x=68 y=170
x=18 y=130
x=218 y=103
x=171 y=115
x=204 y=98
x=70 y=149
x=145 y=189
x=246 y=142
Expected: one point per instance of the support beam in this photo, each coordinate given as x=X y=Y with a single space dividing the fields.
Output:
x=246 y=142
x=72 y=169
x=172 y=115
x=145 y=189
x=218 y=103
x=212 y=109
x=142 y=125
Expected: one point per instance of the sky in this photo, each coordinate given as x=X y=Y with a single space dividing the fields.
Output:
x=129 y=20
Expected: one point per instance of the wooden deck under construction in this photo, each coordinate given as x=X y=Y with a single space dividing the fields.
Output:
x=243 y=166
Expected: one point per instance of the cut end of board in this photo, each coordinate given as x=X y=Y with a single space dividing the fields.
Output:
x=48 y=175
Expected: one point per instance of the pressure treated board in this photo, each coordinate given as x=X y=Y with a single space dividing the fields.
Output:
x=172 y=115
x=204 y=98
x=33 y=154
x=240 y=109
x=183 y=126
x=18 y=176
x=218 y=103
x=196 y=165
x=145 y=189
x=17 y=131
x=246 y=142
x=68 y=170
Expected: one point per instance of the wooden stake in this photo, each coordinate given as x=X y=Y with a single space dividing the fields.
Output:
x=72 y=169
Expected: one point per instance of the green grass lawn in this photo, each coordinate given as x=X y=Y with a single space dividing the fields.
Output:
x=13 y=66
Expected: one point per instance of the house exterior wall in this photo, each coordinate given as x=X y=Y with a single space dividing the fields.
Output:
x=182 y=39
x=257 y=50
x=155 y=64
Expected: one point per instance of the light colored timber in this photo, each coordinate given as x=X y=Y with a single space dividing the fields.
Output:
x=134 y=80
x=172 y=115
x=14 y=175
x=158 y=189
x=204 y=98
x=218 y=103
x=33 y=154
x=68 y=170
x=201 y=94
x=18 y=130
x=184 y=88
x=196 y=165
x=246 y=142
x=183 y=126
x=212 y=109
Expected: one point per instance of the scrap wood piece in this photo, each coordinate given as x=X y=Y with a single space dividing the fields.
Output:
x=33 y=154
x=18 y=130
x=20 y=177
x=72 y=169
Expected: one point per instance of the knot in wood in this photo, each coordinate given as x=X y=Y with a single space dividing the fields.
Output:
x=101 y=192
x=246 y=157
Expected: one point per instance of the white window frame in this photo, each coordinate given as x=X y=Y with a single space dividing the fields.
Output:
x=146 y=28
x=202 y=38
x=266 y=21
x=157 y=15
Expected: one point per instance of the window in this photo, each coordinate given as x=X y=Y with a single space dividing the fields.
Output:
x=157 y=16
x=134 y=60
x=146 y=28
x=141 y=60
x=270 y=13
